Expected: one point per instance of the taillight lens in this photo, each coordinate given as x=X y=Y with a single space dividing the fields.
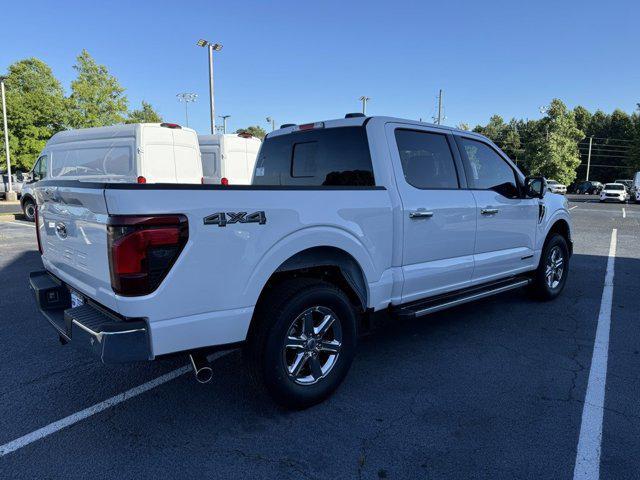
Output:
x=142 y=250
x=224 y=181
x=37 y=218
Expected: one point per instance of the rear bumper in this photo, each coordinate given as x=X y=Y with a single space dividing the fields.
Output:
x=90 y=327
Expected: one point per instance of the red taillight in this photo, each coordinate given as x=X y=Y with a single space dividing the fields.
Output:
x=36 y=218
x=224 y=181
x=142 y=250
x=141 y=179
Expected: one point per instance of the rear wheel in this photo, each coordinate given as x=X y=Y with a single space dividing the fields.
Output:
x=551 y=275
x=303 y=343
x=29 y=209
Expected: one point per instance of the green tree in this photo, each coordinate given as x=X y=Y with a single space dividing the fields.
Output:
x=583 y=118
x=35 y=110
x=146 y=114
x=255 y=130
x=97 y=98
x=554 y=150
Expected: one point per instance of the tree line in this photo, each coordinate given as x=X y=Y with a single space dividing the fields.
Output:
x=557 y=145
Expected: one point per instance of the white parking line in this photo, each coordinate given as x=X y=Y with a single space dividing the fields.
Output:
x=624 y=213
x=22 y=224
x=587 y=465
x=97 y=408
x=575 y=206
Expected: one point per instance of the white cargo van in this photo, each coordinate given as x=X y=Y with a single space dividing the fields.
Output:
x=133 y=153
x=231 y=156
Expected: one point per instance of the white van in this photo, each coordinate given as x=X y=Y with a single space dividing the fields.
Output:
x=231 y=156
x=636 y=187
x=132 y=153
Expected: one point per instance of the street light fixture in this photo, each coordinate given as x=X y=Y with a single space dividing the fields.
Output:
x=364 y=101
x=211 y=47
x=187 y=97
x=224 y=122
x=272 y=121
x=9 y=194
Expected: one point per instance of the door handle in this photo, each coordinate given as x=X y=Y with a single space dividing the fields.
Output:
x=489 y=211
x=420 y=214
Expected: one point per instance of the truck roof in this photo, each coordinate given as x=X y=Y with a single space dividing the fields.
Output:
x=94 y=133
x=359 y=121
x=215 y=139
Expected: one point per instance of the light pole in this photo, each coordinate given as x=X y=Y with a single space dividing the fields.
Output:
x=211 y=47
x=272 y=121
x=224 y=122
x=364 y=101
x=6 y=139
x=187 y=97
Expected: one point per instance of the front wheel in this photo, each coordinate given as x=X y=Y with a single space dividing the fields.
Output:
x=29 y=209
x=303 y=342
x=551 y=275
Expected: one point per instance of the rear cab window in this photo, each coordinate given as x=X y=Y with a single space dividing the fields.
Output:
x=321 y=157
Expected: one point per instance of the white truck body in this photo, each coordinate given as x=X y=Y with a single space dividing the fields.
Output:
x=397 y=242
x=229 y=156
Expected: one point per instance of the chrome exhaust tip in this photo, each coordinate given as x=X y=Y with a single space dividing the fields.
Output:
x=201 y=367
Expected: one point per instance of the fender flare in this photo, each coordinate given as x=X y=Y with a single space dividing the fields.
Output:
x=288 y=252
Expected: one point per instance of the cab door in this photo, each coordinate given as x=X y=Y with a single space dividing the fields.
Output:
x=507 y=223
x=438 y=215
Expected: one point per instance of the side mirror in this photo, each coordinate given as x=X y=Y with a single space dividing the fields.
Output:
x=535 y=187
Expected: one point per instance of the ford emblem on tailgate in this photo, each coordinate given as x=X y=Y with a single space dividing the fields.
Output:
x=61 y=230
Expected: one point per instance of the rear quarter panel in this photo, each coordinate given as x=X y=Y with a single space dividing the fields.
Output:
x=225 y=268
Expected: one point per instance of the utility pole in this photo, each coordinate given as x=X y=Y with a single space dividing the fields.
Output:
x=364 y=101
x=187 y=98
x=211 y=47
x=224 y=123
x=589 y=158
x=272 y=121
x=9 y=195
x=439 y=120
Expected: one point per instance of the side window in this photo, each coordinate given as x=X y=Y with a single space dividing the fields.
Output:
x=40 y=168
x=488 y=170
x=427 y=161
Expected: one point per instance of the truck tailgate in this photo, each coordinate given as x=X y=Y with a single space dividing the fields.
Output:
x=73 y=234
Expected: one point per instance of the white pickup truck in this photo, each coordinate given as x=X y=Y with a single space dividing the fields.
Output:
x=343 y=218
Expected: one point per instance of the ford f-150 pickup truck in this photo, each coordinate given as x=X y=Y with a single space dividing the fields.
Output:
x=343 y=218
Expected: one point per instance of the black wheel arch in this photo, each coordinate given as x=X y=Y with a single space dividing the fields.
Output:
x=331 y=264
x=561 y=227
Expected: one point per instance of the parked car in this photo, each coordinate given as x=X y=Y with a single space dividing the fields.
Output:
x=588 y=188
x=16 y=184
x=344 y=218
x=556 y=187
x=636 y=187
x=132 y=153
x=626 y=183
x=229 y=156
x=614 y=192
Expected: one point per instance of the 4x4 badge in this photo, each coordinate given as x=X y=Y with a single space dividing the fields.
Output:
x=223 y=218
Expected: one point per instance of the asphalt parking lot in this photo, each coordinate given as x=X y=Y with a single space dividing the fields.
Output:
x=494 y=389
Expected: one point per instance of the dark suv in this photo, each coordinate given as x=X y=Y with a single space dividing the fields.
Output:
x=589 y=188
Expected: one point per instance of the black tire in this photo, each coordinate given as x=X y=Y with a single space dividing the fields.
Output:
x=278 y=316
x=29 y=209
x=542 y=288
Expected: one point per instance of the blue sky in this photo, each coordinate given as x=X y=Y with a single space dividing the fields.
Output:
x=303 y=61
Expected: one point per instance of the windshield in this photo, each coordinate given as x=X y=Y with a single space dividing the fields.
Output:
x=613 y=186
